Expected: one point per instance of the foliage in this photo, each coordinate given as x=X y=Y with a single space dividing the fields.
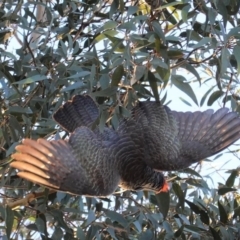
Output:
x=117 y=52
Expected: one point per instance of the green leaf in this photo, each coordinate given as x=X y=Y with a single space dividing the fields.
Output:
x=60 y=196
x=108 y=92
x=32 y=226
x=112 y=233
x=58 y=216
x=164 y=74
x=8 y=54
x=104 y=81
x=184 y=12
x=180 y=83
x=224 y=60
x=113 y=8
x=153 y=199
x=167 y=227
x=32 y=79
x=204 y=217
x=224 y=190
x=156 y=62
x=131 y=10
x=185 y=101
x=192 y=70
x=130 y=26
x=80 y=233
x=179 y=232
x=58 y=234
x=63 y=48
x=193 y=207
x=92 y=232
x=9 y=219
x=225 y=233
x=205 y=95
x=153 y=84
x=215 y=234
x=110 y=24
x=236 y=209
x=18 y=109
x=178 y=191
x=233 y=32
x=158 y=30
x=212 y=13
x=139 y=72
x=117 y=75
x=222 y=213
x=18 y=67
x=115 y=119
x=138 y=226
x=236 y=52
x=103 y=119
x=163 y=202
x=176 y=54
x=116 y=217
x=78 y=75
x=41 y=224
x=148 y=234
x=194 y=229
x=125 y=112
x=74 y=86
x=91 y=217
x=231 y=179
x=203 y=42
x=214 y=96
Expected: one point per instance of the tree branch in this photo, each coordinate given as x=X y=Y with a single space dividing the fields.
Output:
x=29 y=198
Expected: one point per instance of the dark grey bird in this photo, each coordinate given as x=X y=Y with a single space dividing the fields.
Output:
x=151 y=140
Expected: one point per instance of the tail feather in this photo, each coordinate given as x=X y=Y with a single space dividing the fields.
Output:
x=80 y=111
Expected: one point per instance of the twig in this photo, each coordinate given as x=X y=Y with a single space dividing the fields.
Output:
x=29 y=198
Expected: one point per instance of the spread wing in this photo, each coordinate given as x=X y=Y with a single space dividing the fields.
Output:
x=175 y=140
x=156 y=131
x=203 y=134
x=81 y=166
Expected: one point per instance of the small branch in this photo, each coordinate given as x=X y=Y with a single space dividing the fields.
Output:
x=29 y=198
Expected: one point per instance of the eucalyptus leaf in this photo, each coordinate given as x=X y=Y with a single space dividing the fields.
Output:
x=114 y=216
x=180 y=83
x=9 y=219
x=32 y=79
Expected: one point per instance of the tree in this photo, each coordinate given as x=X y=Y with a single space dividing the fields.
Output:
x=116 y=51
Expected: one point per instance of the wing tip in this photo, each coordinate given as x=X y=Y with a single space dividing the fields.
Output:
x=36 y=179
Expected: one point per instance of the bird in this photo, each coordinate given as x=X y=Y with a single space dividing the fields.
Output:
x=91 y=162
x=154 y=139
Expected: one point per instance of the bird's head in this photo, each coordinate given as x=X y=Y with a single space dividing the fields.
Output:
x=157 y=185
x=164 y=187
